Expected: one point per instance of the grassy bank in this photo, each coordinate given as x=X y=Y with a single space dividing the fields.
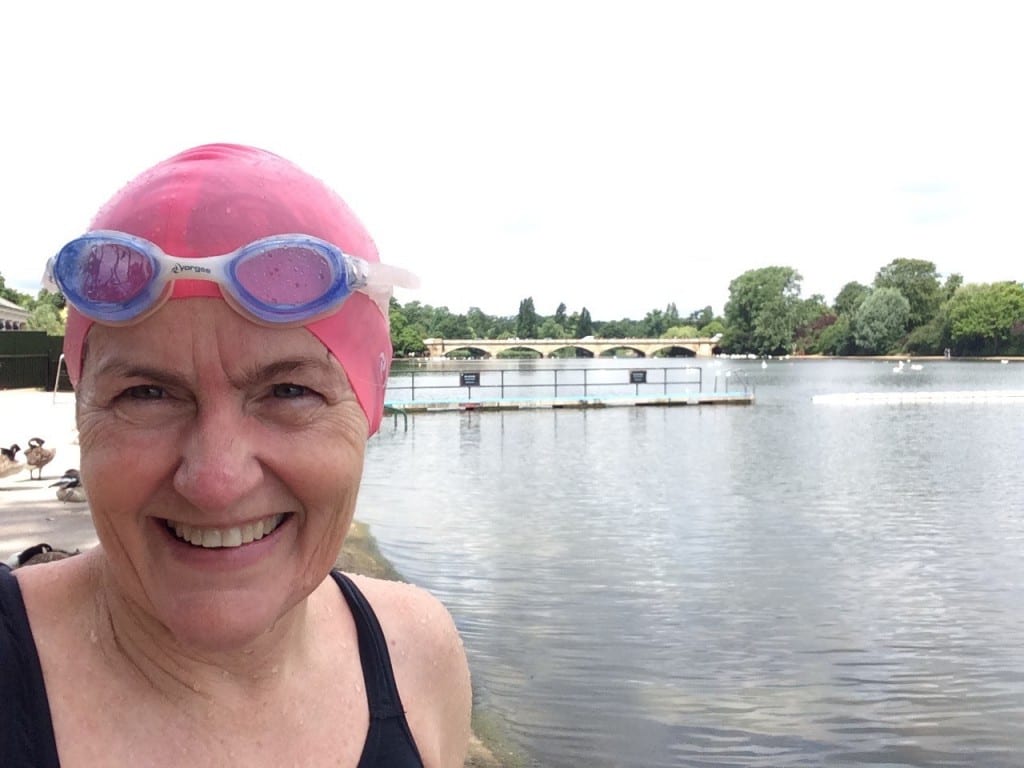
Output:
x=487 y=747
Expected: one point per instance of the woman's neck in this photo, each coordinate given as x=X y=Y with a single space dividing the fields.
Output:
x=134 y=641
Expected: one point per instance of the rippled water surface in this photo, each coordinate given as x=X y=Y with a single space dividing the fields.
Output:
x=783 y=584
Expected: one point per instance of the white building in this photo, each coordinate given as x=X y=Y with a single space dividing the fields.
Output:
x=12 y=317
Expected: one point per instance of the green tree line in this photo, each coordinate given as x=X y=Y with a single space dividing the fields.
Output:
x=907 y=309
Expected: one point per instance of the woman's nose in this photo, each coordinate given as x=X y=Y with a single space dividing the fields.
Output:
x=218 y=465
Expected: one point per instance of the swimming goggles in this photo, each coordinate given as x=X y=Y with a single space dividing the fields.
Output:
x=117 y=279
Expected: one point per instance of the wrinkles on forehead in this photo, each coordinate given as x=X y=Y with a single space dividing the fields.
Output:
x=192 y=341
x=251 y=376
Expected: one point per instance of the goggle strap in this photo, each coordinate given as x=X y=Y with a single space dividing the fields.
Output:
x=49 y=284
x=385 y=276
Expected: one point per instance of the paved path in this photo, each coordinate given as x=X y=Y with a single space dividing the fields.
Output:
x=30 y=512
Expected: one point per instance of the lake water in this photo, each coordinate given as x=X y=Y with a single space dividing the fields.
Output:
x=782 y=584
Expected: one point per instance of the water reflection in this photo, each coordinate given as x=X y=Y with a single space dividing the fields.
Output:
x=784 y=584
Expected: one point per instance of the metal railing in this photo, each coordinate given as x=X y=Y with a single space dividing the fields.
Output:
x=556 y=382
x=735 y=378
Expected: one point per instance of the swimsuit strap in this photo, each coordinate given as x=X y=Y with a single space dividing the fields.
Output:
x=389 y=741
x=26 y=726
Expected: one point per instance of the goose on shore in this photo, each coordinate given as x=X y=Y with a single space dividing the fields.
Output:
x=37 y=553
x=37 y=456
x=9 y=464
x=69 y=487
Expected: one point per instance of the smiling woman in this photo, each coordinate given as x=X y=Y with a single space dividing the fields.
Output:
x=223 y=449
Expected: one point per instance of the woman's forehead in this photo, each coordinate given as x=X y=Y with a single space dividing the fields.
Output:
x=198 y=332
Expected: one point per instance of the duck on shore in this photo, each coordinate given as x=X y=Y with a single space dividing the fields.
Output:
x=37 y=456
x=9 y=464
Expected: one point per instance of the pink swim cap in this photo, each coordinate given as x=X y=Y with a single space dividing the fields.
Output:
x=216 y=198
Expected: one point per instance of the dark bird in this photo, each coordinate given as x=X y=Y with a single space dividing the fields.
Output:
x=9 y=464
x=69 y=487
x=38 y=553
x=37 y=456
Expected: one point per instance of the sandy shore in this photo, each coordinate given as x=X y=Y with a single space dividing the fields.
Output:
x=30 y=512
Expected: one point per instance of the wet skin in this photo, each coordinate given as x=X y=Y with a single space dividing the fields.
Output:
x=198 y=416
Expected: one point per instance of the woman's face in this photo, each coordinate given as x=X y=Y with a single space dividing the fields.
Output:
x=247 y=441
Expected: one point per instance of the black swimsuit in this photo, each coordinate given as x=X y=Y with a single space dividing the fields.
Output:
x=26 y=730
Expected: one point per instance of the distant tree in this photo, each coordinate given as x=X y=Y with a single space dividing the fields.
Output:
x=918 y=281
x=502 y=327
x=850 y=297
x=932 y=337
x=881 y=320
x=560 y=317
x=408 y=342
x=837 y=338
x=681 y=332
x=46 y=313
x=987 y=318
x=45 y=317
x=550 y=329
x=714 y=327
x=672 y=315
x=619 y=329
x=414 y=313
x=699 y=317
x=54 y=299
x=584 y=326
x=449 y=326
x=654 y=324
x=480 y=324
x=527 y=320
x=954 y=281
x=406 y=338
x=813 y=315
x=763 y=311
x=13 y=296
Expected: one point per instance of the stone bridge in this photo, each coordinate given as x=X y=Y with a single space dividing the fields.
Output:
x=590 y=346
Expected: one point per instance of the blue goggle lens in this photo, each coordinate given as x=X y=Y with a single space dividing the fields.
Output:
x=113 y=277
x=284 y=276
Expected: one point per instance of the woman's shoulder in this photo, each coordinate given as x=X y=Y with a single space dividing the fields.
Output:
x=429 y=663
x=53 y=586
x=410 y=614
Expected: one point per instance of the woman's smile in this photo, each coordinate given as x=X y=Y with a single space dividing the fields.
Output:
x=230 y=537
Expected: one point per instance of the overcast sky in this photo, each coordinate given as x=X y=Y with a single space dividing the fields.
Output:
x=618 y=156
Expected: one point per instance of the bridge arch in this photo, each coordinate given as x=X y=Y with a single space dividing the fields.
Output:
x=676 y=350
x=610 y=349
x=695 y=347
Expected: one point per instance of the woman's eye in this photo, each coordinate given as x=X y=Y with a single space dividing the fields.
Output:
x=289 y=390
x=144 y=392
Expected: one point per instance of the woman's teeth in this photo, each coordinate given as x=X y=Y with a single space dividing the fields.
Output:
x=215 y=538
